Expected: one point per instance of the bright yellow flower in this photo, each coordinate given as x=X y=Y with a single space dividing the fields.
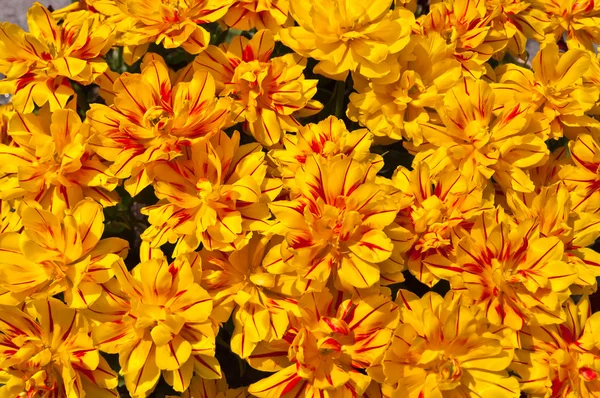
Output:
x=261 y=301
x=443 y=348
x=59 y=254
x=328 y=138
x=518 y=20
x=561 y=360
x=259 y=14
x=51 y=162
x=513 y=273
x=171 y=23
x=437 y=208
x=155 y=114
x=465 y=25
x=481 y=144
x=348 y=35
x=335 y=340
x=46 y=351
x=268 y=93
x=216 y=194
x=396 y=109
x=159 y=323
x=39 y=64
x=552 y=212
x=579 y=19
x=554 y=87
x=335 y=224
x=583 y=177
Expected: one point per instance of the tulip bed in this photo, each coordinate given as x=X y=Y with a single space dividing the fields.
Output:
x=301 y=199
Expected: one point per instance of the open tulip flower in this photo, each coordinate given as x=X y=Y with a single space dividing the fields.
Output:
x=437 y=207
x=336 y=339
x=50 y=161
x=55 y=254
x=579 y=20
x=466 y=27
x=396 y=109
x=260 y=301
x=46 y=351
x=159 y=324
x=327 y=138
x=269 y=94
x=334 y=227
x=551 y=211
x=348 y=35
x=39 y=63
x=216 y=195
x=444 y=348
x=559 y=91
x=566 y=355
x=515 y=274
x=139 y=129
x=301 y=199
x=259 y=14
x=172 y=23
x=482 y=144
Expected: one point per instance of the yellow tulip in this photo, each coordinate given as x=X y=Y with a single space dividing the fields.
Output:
x=171 y=23
x=465 y=25
x=51 y=162
x=268 y=94
x=260 y=301
x=217 y=195
x=328 y=138
x=443 y=348
x=333 y=341
x=39 y=64
x=158 y=321
x=512 y=272
x=481 y=144
x=397 y=109
x=46 y=351
x=437 y=208
x=552 y=212
x=259 y=14
x=518 y=21
x=561 y=360
x=579 y=19
x=334 y=224
x=348 y=35
x=155 y=115
x=59 y=254
x=555 y=87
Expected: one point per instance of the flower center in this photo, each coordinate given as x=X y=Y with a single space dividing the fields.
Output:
x=449 y=370
x=351 y=35
x=204 y=188
x=156 y=117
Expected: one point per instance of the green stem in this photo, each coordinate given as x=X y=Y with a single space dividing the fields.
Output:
x=222 y=36
x=340 y=89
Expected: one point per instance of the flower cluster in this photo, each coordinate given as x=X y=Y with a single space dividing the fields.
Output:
x=301 y=199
